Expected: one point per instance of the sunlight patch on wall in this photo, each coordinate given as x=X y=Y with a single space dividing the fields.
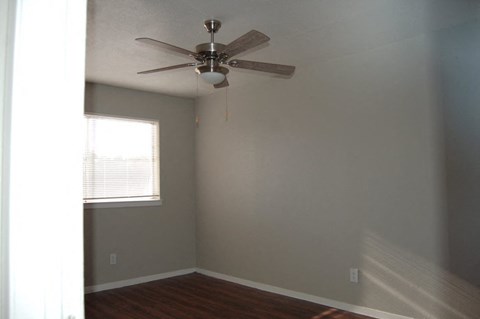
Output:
x=419 y=287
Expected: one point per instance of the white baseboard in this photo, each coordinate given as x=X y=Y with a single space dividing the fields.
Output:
x=281 y=291
x=138 y=280
x=299 y=295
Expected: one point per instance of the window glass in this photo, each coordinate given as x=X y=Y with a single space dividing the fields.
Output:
x=121 y=160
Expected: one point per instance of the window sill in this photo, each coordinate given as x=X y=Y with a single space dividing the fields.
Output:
x=142 y=203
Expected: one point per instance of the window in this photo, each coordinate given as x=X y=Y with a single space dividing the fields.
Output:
x=121 y=161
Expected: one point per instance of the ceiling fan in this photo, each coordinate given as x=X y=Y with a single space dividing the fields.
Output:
x=211 y=57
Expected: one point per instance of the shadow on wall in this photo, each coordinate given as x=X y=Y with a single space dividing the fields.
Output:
x=459 y=65
x=89 y=248
x=427 y=290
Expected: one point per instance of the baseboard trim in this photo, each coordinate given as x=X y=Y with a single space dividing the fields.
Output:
x=281 y=291
x=138 y=280
x=299 y=295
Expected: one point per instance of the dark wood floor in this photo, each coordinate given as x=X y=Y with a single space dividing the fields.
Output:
x=196 y=296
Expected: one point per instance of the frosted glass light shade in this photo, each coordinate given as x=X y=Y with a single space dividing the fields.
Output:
x=213 y=77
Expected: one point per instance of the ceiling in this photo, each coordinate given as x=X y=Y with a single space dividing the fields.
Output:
x=302 y=32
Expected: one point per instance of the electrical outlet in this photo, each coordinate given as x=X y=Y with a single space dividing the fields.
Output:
x=354 y=275
x=113 y=259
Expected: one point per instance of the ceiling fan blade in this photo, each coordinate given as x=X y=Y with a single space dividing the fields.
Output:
x=173 y=67
x=263 y=67
x=247 y=41
x=222 y=84
x=167 y=46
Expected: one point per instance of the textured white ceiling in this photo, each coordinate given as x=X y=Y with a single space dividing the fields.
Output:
x=302 y=32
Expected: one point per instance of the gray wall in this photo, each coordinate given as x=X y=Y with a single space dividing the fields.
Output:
x=147 y=240
x=342 y=166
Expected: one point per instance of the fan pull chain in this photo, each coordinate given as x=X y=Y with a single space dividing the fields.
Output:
x=226 y=104
x=197 y=86
x=197 y=119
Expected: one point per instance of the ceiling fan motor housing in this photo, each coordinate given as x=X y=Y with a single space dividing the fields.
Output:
x=209 y=50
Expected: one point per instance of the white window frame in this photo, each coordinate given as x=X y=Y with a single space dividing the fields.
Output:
x=129 y=202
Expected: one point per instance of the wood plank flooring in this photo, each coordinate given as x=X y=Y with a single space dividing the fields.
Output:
x=196 y=296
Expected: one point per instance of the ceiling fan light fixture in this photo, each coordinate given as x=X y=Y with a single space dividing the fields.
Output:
x=213 y=75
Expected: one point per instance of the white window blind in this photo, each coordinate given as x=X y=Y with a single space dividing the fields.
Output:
x=121 y=160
